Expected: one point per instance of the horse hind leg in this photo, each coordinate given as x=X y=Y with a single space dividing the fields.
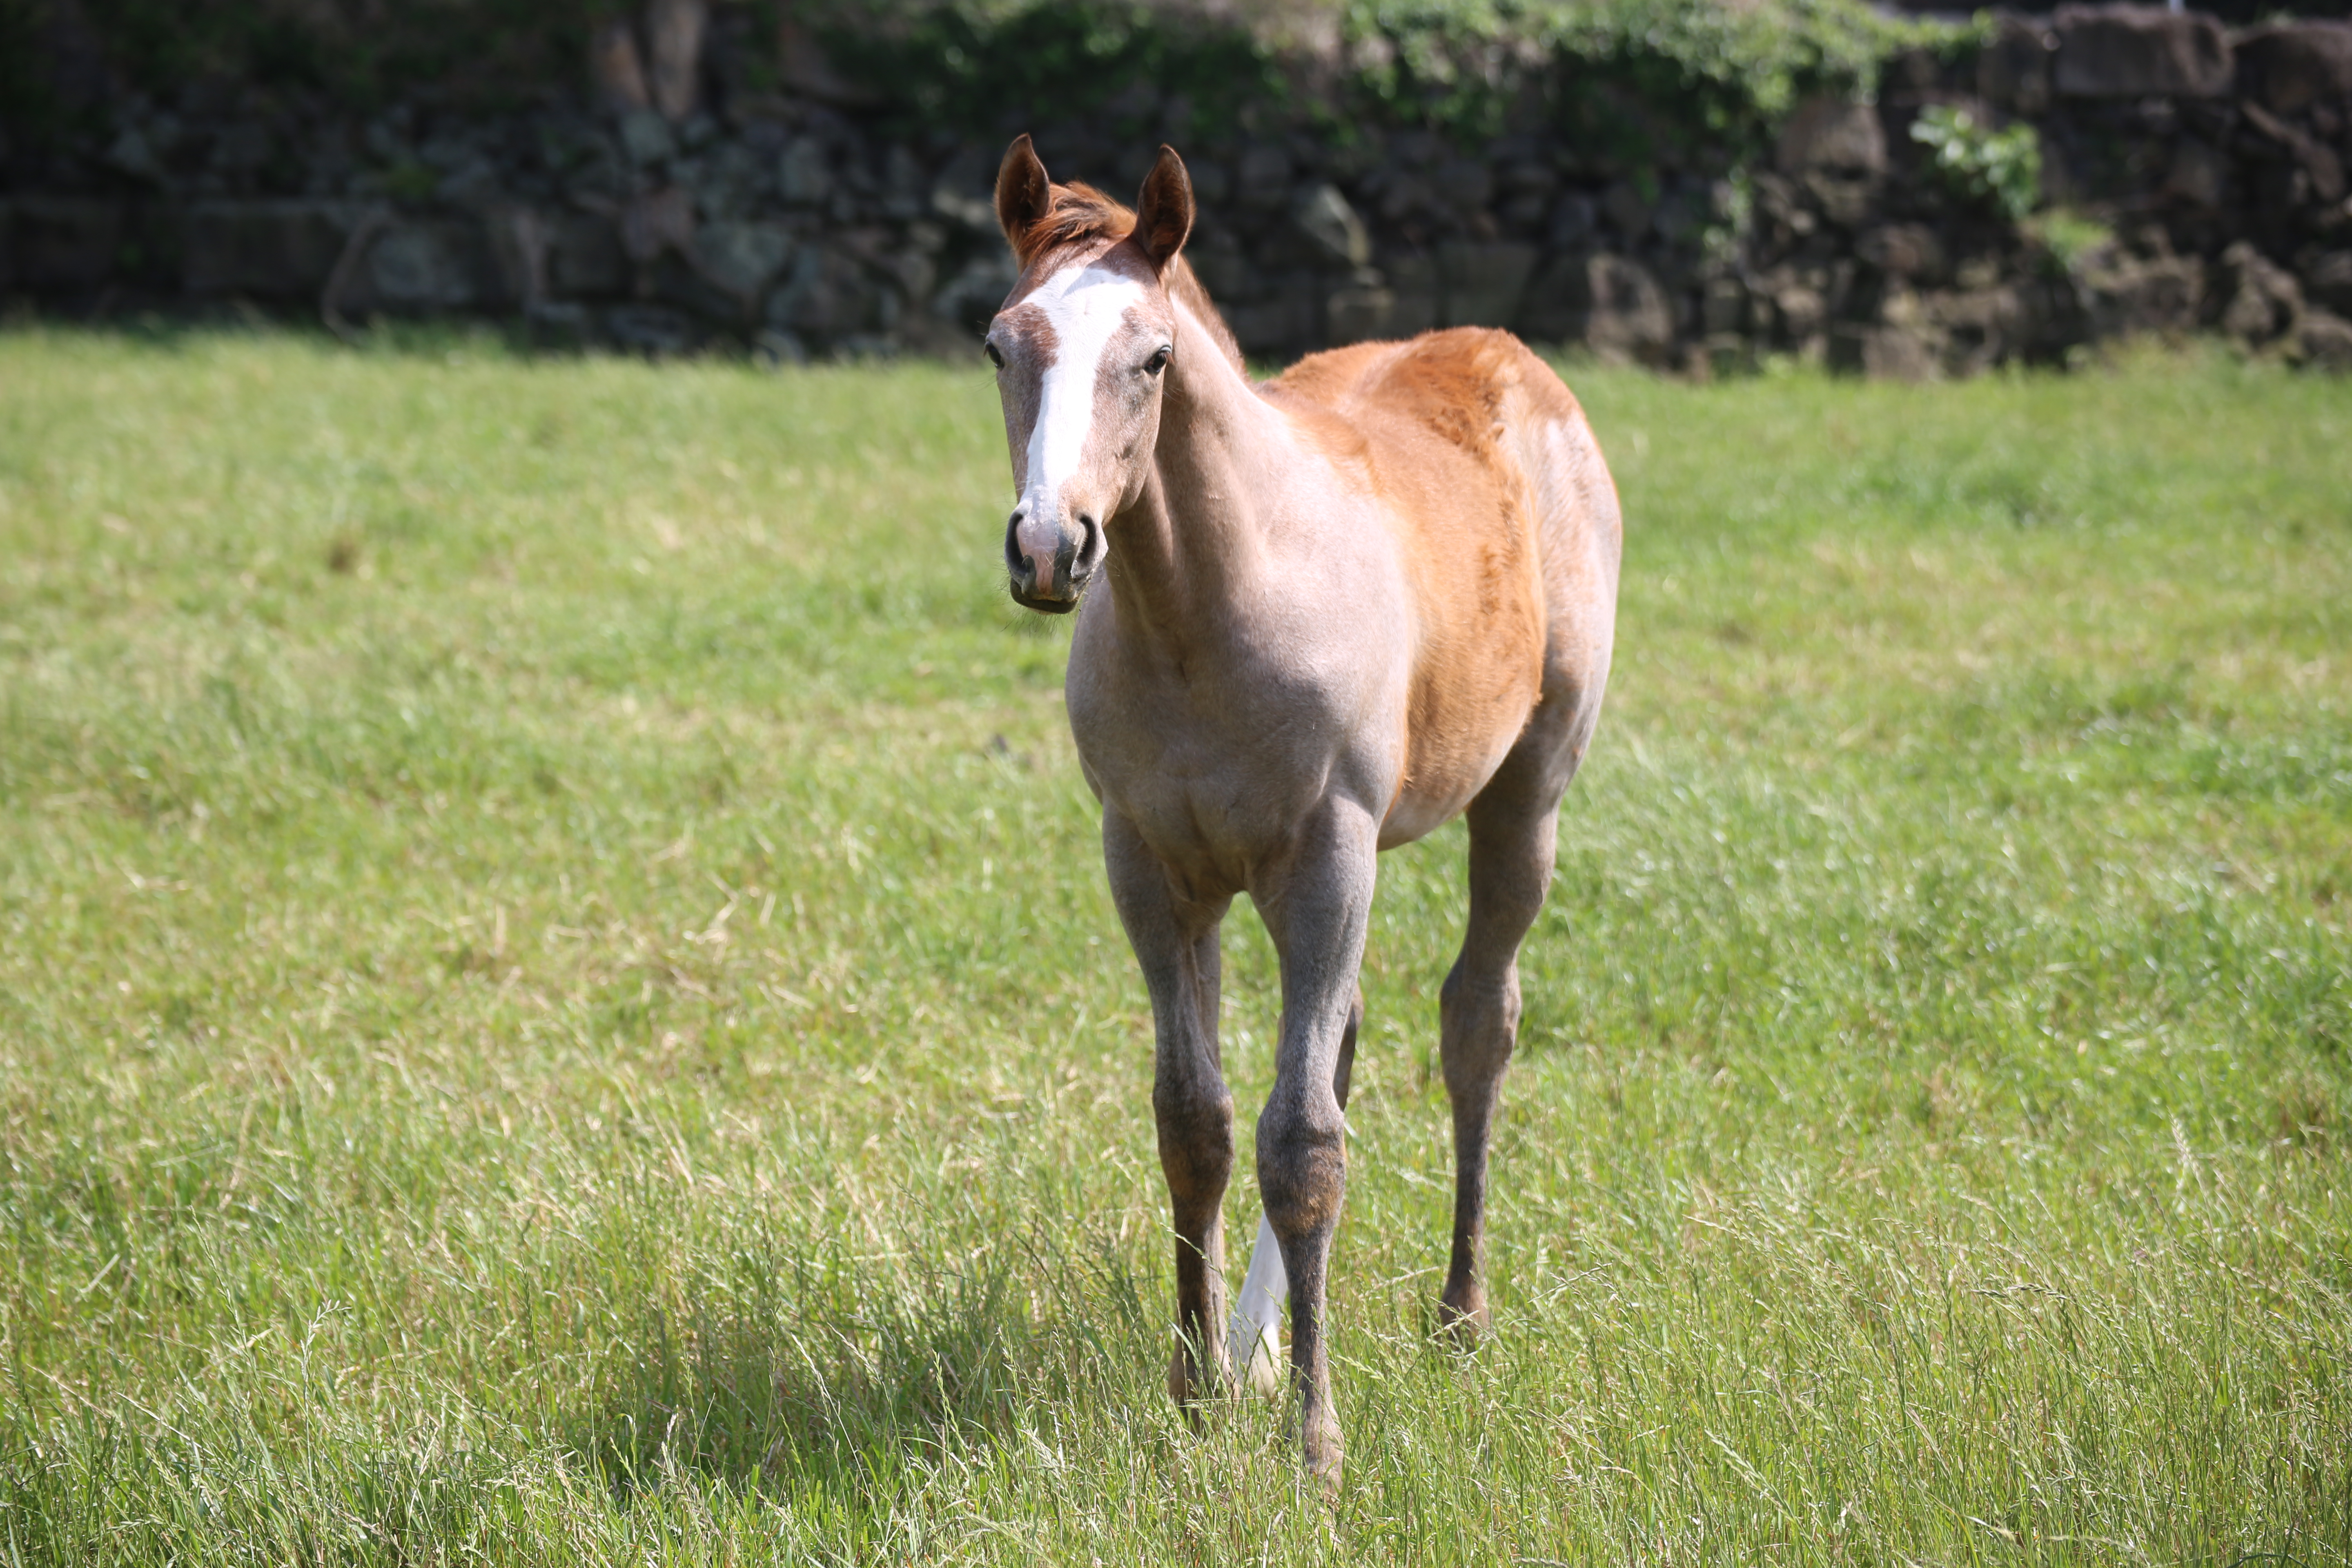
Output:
x=1514 y=825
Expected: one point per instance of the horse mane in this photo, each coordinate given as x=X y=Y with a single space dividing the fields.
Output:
x=1078 y=214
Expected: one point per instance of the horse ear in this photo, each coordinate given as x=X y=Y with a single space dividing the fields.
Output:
x=1023 y=192
x=1163 y=210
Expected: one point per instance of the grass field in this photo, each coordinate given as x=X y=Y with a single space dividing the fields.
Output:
x=558 y=1003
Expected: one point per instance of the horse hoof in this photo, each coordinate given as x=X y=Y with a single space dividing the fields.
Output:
x=1465 y=1319
x=1188 y=1384
x=1321 y=1452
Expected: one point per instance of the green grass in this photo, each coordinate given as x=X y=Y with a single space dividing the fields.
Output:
x=558 y=1003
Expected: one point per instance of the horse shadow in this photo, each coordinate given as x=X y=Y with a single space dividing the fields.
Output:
x=848 y=1385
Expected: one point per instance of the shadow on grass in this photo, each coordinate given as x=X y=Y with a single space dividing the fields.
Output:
x=848 y=1396
x=174 y=325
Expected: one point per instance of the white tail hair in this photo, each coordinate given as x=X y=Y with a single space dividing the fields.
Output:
x=1253 y=1339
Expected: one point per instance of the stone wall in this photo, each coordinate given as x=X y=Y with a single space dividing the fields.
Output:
x=2198 y=176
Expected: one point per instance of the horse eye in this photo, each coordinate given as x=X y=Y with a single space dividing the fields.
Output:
x=994 y=357
x=1158 y=362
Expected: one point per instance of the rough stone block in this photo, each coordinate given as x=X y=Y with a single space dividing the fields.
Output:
x=1483 y=283
x=1907 y=250
x=651 y=330
x=675 y=29
x=645 y=137
x=1845 y=200
x=2128 y=295
x=1627 y=209
x=1800 y=315
x=971 y=297
x=1358 y=313
x=1723 y=308
x=617 y=67
x=1629 y=318
x=1573 y=218
x=2013 y=71
x=1980 y=328
x=743 y=258
x=1727 y=354
x=2328 y=281
x=2323 y=342
x=804 y=173
x=1414 y=280
x=829 y=295
x=1884 y=352
x=2263 y=298
x=2140 y=51
x=1829 y=133
x=1282 y=324
x=2200 y=174
x=266 y=249
x=2322 y=170
x=432 y=264
x=2295 y=65
x=65 y=242
x=584 y=257
x=1265 y=175
x=1557 y=299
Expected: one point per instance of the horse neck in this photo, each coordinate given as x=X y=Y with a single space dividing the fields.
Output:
x=1192 y=543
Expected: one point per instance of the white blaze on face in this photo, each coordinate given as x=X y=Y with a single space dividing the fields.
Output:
x=1085 y=306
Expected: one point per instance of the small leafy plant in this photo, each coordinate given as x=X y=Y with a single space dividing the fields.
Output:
x=1978 y=163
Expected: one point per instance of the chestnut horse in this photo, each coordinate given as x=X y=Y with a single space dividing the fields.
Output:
x=1338 y=609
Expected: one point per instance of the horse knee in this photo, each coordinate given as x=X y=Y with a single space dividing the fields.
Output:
x=1302 y=1166
x=1196 y=1140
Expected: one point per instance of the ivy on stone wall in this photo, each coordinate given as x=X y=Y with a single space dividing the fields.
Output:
x=1653 y=76
x=1716 y=70
x=975 y=67
x=1698 y=70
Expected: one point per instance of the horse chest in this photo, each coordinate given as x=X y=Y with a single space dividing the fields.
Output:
x=1218 y=775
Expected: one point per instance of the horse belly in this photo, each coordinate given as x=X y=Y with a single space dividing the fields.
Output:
x=1439 y=790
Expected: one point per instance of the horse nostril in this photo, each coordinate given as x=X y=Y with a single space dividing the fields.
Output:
x=1090 y=544
x=1013 y=559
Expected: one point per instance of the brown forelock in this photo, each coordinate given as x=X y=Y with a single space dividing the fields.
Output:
x=1074 y=213
x=1078 y=217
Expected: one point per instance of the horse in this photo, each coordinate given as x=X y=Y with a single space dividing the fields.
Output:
x=1336 y=610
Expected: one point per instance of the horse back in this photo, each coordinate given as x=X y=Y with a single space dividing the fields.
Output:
x=1506 y=524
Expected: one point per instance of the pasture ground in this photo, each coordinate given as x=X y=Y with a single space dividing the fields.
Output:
x=558 y=1005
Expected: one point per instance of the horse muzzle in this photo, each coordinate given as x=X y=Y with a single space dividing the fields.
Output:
x=1051 y=560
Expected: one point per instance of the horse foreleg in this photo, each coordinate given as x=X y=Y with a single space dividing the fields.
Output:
x=1175 y=942
x=1314 y=906
x=1253 y=1338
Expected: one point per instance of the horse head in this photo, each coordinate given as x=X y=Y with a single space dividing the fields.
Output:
x=1081 y=349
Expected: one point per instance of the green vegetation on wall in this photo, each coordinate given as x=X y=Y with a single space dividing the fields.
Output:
x=1642 y=71
x=1655 y=71
x=970 y=65
x=1980 y=163
x=1715 y=72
